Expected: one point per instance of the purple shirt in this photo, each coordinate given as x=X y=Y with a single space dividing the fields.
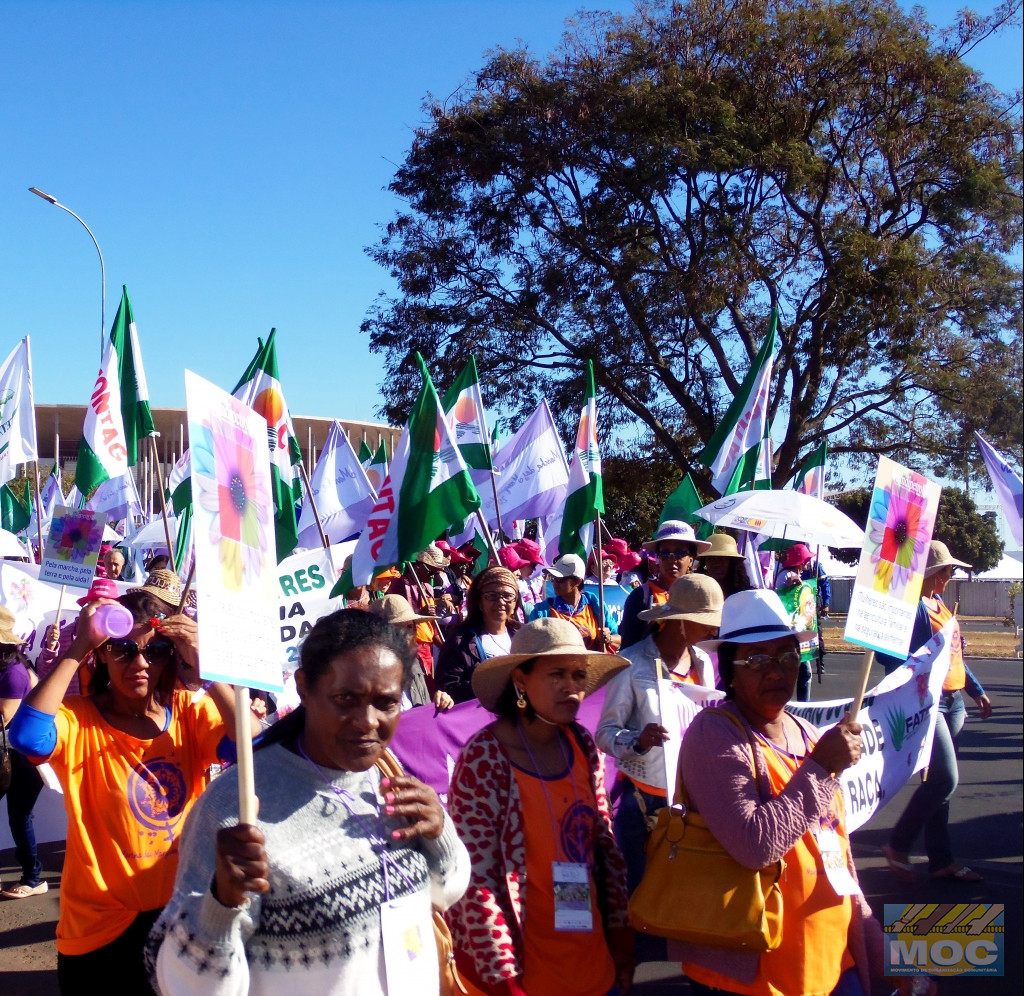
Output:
x=14 y=681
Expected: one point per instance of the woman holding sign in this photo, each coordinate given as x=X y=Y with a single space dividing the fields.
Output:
x=766 y=784
x=331 y=891
x=132 y=759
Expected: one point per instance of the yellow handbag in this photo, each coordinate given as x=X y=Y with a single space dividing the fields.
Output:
x=693 y=890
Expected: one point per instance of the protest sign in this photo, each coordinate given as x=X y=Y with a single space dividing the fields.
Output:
x=901 y=518
x=614 y=599
x=72 y=547
x=305 y=581
x=898 y=717
x=233 y=530
x=801 y=602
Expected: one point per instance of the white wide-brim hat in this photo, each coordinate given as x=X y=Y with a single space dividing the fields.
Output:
x=753 y=617
x=675 y=529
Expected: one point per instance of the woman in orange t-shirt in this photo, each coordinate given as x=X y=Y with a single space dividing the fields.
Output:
x=551 y=901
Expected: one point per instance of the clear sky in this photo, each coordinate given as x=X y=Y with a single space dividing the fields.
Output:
x=231 y=159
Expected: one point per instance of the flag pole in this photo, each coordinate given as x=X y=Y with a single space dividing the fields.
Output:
x=312 y=505
x=163 y=502
x=426 y=603
x=39 y=509
x=497 y=510
x=188 y=586
x=600 y=580
x=487 y=535
x=243 y=747
x=865 y=674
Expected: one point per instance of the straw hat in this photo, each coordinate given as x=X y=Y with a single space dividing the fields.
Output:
x=568 y=566
x=751 y=617
x=101 y=588
x=694 y=597
x=165 y=585
x=549 y=637
x=675 y=529
x=939 y=557
x=8 y=637
x=396 y=610
x=432 y=557
x=722 y=545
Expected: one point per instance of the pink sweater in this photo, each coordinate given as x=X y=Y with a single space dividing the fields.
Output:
x=757 y=829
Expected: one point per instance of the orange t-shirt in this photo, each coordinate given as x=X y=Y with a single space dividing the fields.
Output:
x=815 y=920
x=126 y=801
x=548 y=953
x=659 y=595
x=938 y=616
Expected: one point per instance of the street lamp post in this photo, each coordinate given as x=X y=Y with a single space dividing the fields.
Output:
x=103 y=270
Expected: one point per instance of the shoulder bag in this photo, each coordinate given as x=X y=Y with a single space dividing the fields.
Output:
x=5 y=758
x=451 y=982
x=693 y=890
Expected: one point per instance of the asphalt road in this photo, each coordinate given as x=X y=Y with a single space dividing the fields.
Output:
x=986 y=822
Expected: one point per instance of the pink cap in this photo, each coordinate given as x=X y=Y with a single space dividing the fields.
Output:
x=510 y=559
x=101 y=588
x=529 y=551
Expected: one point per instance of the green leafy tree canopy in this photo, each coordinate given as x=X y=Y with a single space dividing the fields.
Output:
x=646 y=194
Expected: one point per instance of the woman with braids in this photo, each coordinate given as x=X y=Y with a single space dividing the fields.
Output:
x=343 y=858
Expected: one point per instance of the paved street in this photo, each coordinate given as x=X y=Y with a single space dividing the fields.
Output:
x=986 y=826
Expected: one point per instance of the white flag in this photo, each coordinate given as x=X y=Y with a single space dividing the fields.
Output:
x=117 y=498
x=17 y=412
x=341 y=490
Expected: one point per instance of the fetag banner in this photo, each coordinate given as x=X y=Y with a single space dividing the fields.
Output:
x=898 y=718
x=233 y=532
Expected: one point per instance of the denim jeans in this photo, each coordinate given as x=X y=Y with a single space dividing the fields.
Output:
x=928 y=808
x=631 y=836
x=26 y=784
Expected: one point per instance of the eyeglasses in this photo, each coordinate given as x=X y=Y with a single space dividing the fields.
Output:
x=790 y=660
x=123 y=651
x=690 y=551
x=498 y=596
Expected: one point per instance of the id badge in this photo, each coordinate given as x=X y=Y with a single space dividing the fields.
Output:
x=573 y=910
x=410 y=952
x=836 y=869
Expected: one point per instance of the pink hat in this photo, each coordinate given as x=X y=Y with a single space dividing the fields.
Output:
x=629 y=561
x=510 y=559
x=617 y=547
x=101 y=588
x=796 y=556
x=529 y=550
x=457 y=556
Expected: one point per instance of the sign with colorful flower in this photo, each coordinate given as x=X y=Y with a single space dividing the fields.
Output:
x=892 y=561
x=72 y=547
x=233 y=530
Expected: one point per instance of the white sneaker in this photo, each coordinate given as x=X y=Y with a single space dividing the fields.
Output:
x=22 y=891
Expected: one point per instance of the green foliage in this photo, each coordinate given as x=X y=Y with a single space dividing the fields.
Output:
x=647 y=193
x=970 y=535
x=635 y=489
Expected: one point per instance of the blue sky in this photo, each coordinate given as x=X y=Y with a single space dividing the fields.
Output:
x=231 y=159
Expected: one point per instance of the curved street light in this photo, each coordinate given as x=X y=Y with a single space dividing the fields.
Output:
x=103 y=270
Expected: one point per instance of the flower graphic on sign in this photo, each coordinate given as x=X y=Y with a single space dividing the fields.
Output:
x=899 y=527
x=80 y=535
x=234 y=494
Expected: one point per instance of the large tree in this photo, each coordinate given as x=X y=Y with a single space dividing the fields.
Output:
x=648 y=193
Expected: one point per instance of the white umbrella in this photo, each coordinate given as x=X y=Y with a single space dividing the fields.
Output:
x=789 y=515
x=10 y=545
x=152 y=537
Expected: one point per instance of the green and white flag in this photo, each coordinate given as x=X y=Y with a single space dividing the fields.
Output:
x=260 y=389
x=135 y=411
x=810 y=479
x=585 y=497
x=682 y=504
x=745 y=423
x=753 y=471
x=17 y=412
x=365 y=455
x=179 y=496
x=377 y=468
x=427 y=491
x=464 y=409
x=14 y=516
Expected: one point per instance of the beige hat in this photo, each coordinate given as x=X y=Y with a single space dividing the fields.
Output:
x=695 y=597
x=396 y=610
x=549 y=637
x=939 y=557
x=722 y=545
x=165 y=585
x=433 y=557
x=8 y=637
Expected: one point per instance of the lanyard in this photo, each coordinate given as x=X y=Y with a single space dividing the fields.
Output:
x=580 y=841
x=781 y=750
x=375 y=838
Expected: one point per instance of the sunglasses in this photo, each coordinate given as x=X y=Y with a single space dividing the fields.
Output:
x=123 y=651
x=790 y=660
x=690 y=551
